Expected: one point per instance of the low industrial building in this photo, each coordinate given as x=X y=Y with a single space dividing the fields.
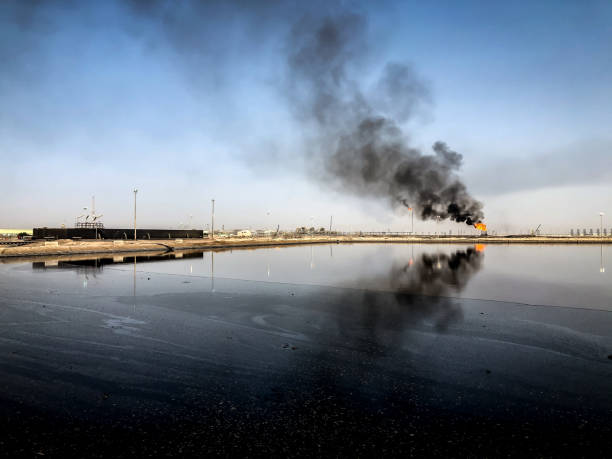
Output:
x=114 y=233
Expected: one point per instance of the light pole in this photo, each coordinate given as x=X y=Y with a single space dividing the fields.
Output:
x=212 y=223
x=601 y=215
x=135 y=192
x=412 y=218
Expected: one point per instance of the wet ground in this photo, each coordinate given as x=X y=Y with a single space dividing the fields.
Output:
x=157 y=357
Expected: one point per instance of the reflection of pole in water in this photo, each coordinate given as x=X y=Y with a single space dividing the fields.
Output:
x=134 y=287
x=212 y=271
x=601 y=264
x=331 y=252
x=268 y=270
x=311 y=257
x=411 y=261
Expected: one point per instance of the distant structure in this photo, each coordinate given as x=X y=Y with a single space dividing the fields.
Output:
x=91 y=220
x=9 y=233
x=114 y=233
x=89 y=226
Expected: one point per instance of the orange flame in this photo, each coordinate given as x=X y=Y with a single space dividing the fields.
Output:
x=480 y=226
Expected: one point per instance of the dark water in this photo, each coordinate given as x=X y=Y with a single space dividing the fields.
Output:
x=331 y=349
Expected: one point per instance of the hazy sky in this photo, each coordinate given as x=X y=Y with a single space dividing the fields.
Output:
x=183 y=100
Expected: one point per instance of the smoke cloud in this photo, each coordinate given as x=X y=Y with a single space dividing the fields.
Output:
x=355 y=138
x=355 y=135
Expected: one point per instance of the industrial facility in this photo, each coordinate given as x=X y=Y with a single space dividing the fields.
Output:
x=114 y=233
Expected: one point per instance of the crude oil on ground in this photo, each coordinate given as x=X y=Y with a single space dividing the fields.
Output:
x=320 y=350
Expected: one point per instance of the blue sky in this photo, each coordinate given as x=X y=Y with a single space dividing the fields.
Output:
x=184 y=104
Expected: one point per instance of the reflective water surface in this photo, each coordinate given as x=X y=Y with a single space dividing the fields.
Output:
x=559 y=275
x=331 y=349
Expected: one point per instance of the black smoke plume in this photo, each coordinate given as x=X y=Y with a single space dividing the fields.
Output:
x=355 y=134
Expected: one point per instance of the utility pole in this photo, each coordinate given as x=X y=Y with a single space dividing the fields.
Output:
x=135 y=191
x=331 y=219
x=93 y=214
x=212 y=234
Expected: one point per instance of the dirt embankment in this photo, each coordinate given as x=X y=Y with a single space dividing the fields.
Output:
x=68 y=246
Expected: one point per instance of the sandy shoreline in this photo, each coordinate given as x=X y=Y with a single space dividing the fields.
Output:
x=70 y=247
